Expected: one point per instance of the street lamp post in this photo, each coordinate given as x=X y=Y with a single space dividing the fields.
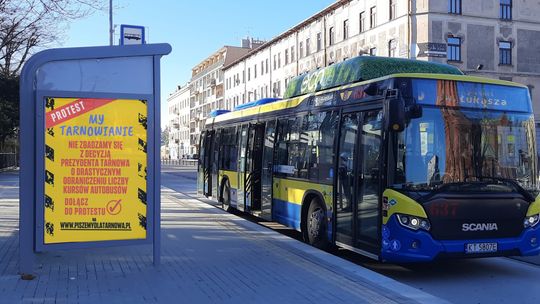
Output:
x=111 y=30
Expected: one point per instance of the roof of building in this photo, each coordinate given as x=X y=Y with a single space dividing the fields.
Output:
x=231 y=54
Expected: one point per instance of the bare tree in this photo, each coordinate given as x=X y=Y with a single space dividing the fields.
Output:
x=27 y=26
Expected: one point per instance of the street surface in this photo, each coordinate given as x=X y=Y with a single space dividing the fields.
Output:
x=489 y=280
x=207 y=256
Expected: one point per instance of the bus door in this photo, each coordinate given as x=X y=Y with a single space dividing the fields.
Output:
x=357 y=200
x=346 y=178
x=200 y=165
x=242 y=148
x=254 y=166
x=214 y=167
x=206 y=149
x=368 y=211
x=267 y=164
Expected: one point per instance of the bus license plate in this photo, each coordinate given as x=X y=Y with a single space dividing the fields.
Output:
x=481 y=247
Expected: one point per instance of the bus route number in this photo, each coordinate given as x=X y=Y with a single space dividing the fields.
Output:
x=444 y=209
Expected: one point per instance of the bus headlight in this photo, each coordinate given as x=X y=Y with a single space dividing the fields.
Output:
x=531 y=221
x=413 y=222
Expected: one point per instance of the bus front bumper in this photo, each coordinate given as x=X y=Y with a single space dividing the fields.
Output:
x=403 y=245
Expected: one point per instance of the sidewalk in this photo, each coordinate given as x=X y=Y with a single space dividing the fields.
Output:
x=208 y=256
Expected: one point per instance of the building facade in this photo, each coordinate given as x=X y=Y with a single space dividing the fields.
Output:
x=179 y=139
x=490 y=38
x=207 y=86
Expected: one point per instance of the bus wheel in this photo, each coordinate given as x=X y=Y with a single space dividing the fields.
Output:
x=226 y=200
x=316 y=225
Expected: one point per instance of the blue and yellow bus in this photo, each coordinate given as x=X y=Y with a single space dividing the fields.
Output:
x=399 y=160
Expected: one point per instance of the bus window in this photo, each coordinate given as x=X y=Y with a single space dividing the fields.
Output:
x=305 y=147
x=321 y=129
x=229 y=149
x=283 y=165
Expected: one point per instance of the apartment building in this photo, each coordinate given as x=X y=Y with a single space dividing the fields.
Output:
x=490 y=38
x=179 y=139
x=207 y=86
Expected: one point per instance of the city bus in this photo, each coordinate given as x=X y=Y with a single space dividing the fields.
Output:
x=399 y=160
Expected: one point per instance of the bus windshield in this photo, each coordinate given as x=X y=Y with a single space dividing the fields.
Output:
x=471 y=137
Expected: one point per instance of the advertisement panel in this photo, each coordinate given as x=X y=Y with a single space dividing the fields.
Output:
x=95 y=169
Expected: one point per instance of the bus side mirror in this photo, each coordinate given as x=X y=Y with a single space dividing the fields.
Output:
x=396 y=115
x=414 y=111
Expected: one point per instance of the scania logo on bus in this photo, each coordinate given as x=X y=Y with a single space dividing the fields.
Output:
x=479 y=227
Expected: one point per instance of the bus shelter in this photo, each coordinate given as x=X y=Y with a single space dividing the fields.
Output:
x=90 y=138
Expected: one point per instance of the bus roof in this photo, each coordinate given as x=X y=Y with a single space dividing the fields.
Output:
x=359 y=69
x=295 y=101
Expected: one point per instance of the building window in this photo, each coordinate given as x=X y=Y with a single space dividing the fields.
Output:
x=373 y=51
x=345 y=29
x=276 y=90
x=301 y=49
x=506 y=9
x=454 y=7
x=275 y=62
x=319 y=41
x=249 y=74
x=393 y=9
x=331 y=36
x=373 y=17
x=505 y=52
x=266 y=68
x=292 y=54
x=255 y=71
x=362 y=21
x=279 y=60
x=243 y=76
x=454 y=49
x=308 y=51
x=286 y=57
x=392 y=48
x=262 y=67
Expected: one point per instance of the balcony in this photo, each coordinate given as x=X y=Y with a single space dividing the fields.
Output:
x=219 y=91
x=175 y=123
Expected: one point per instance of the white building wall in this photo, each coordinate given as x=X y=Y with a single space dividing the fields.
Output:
x=178 y=103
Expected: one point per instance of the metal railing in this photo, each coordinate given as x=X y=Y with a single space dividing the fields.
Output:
x=8 y=160
x=180 y=162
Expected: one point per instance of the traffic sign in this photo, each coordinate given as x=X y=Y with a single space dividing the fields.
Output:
x=132 y=34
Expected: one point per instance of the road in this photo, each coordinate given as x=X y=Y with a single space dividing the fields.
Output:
x=489 y=280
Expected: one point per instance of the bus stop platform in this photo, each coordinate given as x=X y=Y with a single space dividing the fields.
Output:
x=208 y=256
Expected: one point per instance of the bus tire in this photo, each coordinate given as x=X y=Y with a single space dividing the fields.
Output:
x=316 y=233
x=226 y=196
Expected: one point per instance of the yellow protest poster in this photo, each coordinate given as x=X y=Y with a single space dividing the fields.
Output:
x=95 y=169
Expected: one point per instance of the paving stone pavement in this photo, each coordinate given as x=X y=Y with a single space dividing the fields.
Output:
x=208 y=256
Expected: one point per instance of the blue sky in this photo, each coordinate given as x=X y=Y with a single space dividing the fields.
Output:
x=194 y=29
